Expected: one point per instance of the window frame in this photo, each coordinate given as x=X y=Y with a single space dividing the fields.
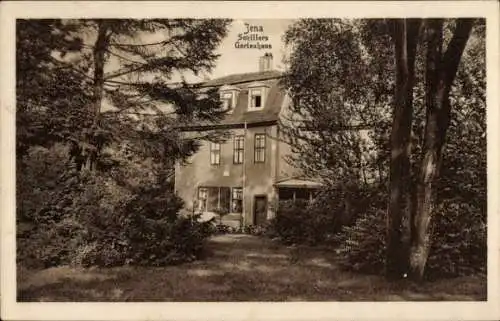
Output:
x=259 y=149
x=251 y=96
x=202 y=206
x=211 y=198
x=233 y=198
x=215 y=152
x=238 y=150
x=228 y=97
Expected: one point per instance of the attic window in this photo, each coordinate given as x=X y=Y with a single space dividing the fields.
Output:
x=256 y=99
x=229 y=96
x=227 y=101
x=257 y=96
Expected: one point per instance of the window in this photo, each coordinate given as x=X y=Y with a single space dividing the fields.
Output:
x=214 y=154
x=257 y=93
x=202 y=198
x=238 y=149
x=224 y=197
x=256 y=99
x=290 y=193
x=228 y=97
x=237 y=200
x=260 y=148
x=227 y=101
x=212 y=199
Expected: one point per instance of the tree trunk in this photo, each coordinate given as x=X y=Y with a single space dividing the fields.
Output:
x=99 y=52
x=440 y=73
x=98 y=88
x=405 y=40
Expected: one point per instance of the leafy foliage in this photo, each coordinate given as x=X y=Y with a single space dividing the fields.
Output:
x=72 y=111
x=318 y=222
x=58 y=83
x=335 y=103
x=84 y=219
x=335 y=98
x=51 y=100
x=362 y=245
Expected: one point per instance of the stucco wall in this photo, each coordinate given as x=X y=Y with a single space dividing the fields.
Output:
x=259 y=177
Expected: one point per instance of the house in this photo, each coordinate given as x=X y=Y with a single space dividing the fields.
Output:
x=246 y=175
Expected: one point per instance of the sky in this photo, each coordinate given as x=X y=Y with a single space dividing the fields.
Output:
x=232 y=60
x=240 y=60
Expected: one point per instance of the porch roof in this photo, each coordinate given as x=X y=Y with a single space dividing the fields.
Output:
x=298 y=183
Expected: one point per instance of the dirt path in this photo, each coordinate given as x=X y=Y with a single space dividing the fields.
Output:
x=237 y=268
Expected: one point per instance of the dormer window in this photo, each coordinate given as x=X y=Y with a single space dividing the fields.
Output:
x=227 y=101
x=257 y=96
x=229 y=96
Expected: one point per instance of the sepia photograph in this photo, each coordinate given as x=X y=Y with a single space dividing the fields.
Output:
x=222 y=158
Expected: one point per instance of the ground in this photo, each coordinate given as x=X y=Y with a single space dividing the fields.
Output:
x=238 y=268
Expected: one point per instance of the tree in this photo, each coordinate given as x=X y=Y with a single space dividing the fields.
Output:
x=335 y=83
x=114 y=105
x=136 y=76
x=50 y=100
x=405 y=37
x=441 y=70
x=333 y=106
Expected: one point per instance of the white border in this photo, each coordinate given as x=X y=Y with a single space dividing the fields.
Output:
x=9 y=11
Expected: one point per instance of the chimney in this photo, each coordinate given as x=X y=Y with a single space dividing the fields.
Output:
x=266 y=62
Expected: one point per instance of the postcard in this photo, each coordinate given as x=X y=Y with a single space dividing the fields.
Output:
x=220 y=160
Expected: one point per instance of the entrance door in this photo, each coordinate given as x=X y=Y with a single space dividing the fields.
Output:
x=260 y=209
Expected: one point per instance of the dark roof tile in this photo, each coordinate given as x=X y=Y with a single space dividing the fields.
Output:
x=240 y=114
x=241 y=78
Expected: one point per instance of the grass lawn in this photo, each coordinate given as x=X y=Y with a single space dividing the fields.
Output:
x=238 y=268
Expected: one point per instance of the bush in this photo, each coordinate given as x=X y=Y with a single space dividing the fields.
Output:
x=87 y=219
x=259 y=230
x=304 y=222
x=458 y=242
x=223 y=229
x=362 y=245
x=458 y=239
x=157 y=235
x=69 y=220
x=298 y=222
x=459 y=245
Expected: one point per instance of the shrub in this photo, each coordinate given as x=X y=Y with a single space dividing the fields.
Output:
x=458 y=242
x=259 y=230
x=298 y=222
x=223 y=229
x=318 y=221
x=361 y=246
x=459 y=245
x=147 y=231
x=64 y=223
x=88 y=219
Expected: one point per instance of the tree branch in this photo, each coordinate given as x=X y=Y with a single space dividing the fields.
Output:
x=124 y=72
x=124 y=58
x=455 y=49
x=68 y=65
x=163 y=42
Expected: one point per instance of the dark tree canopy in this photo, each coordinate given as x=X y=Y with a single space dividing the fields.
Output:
x=343 y=80
x=80 y=80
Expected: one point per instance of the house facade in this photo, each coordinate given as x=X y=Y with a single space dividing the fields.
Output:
x=247 y=174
